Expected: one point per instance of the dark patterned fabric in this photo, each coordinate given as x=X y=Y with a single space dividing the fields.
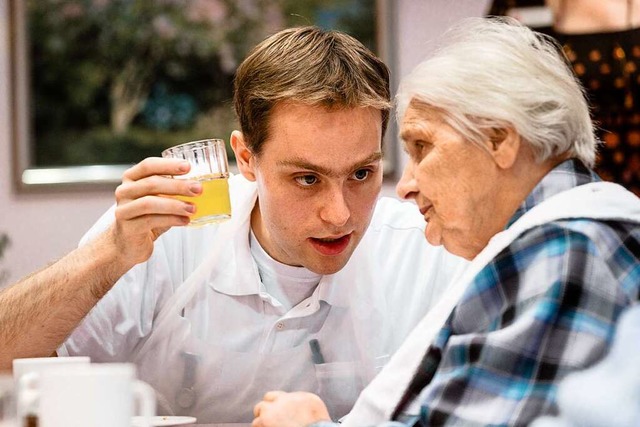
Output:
x=502 y=7
x=607 y=65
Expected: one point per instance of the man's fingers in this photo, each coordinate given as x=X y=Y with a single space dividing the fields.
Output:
x=270 y=396
x=256 y=409
x=156 y=166
x=153 y=205
x=158 y=224
x=155 y=185
x=148 y=228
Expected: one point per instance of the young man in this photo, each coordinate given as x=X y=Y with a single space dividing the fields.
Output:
x=306 y=287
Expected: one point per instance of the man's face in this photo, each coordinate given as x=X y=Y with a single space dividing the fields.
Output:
x=454 y=183
x=318 y=177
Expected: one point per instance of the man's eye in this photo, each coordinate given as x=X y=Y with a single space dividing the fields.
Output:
x=306 y=180
x=361 y=174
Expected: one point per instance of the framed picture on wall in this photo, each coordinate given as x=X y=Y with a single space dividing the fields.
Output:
x=98 y=85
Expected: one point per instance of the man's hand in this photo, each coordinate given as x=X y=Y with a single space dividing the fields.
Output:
x=39 y=312
x=281 y=409
x=144 y=212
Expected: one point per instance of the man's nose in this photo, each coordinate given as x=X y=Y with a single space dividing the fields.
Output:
x=335 y=209
x=407 y=187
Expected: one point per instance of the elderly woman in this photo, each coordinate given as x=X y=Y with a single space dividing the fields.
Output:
x=500 y=147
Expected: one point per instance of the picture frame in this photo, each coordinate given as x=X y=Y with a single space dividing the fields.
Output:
x=63 y=142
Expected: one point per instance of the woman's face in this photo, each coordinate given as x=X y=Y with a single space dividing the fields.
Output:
x=454 y=182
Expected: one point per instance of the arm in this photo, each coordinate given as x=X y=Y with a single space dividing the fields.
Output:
x=40 y=311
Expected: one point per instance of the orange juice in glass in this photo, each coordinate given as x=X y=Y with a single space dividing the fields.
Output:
x=209 y=165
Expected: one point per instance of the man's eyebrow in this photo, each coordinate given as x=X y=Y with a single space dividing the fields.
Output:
x=303 y=164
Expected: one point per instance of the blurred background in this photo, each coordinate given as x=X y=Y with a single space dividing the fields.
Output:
x=109 y=82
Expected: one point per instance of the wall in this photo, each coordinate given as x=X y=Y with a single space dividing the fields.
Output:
x=45 y=226
x=42 y=227
x=419 y=23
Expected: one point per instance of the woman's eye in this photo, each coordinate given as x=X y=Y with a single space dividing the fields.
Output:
x=419 y=150
x=420 y=147
x=306 y=180
x=361 y=174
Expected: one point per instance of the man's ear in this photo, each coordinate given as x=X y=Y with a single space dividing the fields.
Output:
x=504 y=146
x=244 y=157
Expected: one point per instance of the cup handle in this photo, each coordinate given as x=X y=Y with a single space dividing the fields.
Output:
x=146 y=399
x=28 y=394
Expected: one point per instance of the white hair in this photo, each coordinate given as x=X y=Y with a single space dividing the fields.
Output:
x=494 y=73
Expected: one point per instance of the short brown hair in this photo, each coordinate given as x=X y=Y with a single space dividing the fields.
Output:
x=311 y=66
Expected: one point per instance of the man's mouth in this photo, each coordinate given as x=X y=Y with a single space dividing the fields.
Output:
x=331 y=245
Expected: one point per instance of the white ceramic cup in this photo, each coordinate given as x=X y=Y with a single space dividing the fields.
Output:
x=41 y=364
x=30 y=370
x=97 y=395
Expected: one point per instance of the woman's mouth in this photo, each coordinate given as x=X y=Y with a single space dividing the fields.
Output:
x=424 y=209
x=331 y=245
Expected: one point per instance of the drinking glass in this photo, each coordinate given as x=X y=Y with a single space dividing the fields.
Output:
x=209 y=165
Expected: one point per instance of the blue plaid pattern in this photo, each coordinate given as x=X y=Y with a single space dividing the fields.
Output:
x=544 y=307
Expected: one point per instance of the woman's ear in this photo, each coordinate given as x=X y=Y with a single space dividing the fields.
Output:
x=244 y=157
x=504 y=146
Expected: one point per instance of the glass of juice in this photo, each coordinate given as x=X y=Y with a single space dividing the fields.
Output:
x=209 y=165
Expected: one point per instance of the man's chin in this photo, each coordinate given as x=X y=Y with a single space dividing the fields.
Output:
x=328 y=264
x=327 y=268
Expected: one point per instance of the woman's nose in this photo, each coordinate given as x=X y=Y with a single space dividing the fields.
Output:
x=407 y=187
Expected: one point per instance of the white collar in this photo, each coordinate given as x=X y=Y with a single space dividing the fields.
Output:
x=236 y=273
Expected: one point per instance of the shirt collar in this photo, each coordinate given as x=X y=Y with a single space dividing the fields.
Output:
x=565 y=176
x=237 y=272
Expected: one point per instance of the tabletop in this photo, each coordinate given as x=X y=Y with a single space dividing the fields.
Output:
x=220 y=425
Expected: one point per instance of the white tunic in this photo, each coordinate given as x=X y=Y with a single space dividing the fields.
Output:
x=203 y=331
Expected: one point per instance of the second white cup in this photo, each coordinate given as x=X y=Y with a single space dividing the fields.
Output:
x=98 y=395
x=30 y=370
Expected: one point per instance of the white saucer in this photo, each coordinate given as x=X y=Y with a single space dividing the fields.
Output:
x=163 y=420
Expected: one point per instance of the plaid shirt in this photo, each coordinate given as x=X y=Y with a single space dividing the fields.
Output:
x=544 y=307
